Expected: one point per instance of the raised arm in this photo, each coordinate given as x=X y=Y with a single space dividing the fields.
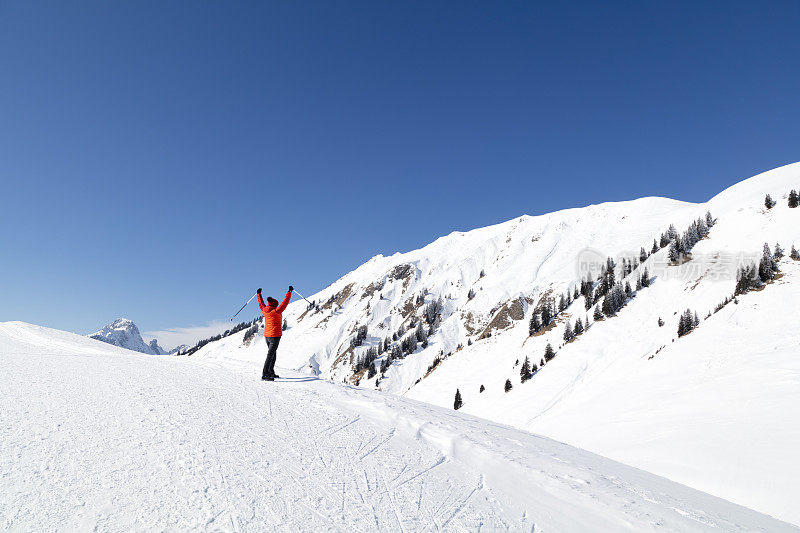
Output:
x=261 y=303
x=286 y=300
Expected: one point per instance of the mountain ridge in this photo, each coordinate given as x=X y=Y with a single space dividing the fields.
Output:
x=490 y=281
x=124 y=333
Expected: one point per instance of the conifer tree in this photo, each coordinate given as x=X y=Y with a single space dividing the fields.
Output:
x=655 y=247
x=638 y=283
x=793 y=254
x=747 y=278
x=767 y=267
x=568 y=332
x=687 y=322
x=458 y=402
x=794 y=199
x=482 y=388
x=598 y=314
x=674 y=252
x=769 y=203
x=642 y=255
x=525 y=371
x=547 y=314
x=645 y=278
x=778 y=254
x=534 y=326
x=420 y=333
x=549 y=353
x=709 y=219
x=589 y=301
x=609 y=279
x=660 y=322
x=508 y=386
x=578 y=327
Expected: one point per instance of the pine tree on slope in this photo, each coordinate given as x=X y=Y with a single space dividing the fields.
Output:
x=794 y=199
x=674 y=252
x=549 y=353
x=458 y=402
x=525 y=371
x=534 y=326
x=778 y=254
x=568 y=332
x=547 y=314
x=767 y=267
x=645 y=278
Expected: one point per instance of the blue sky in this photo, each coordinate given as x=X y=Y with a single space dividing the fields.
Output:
x=161 y=160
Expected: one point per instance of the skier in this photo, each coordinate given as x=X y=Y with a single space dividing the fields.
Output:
x=273 y=329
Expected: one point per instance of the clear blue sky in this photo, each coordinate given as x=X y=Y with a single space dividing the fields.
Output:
x=161 y=160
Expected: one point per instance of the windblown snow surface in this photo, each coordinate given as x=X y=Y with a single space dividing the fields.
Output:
x=716 y=410
x=95 y=437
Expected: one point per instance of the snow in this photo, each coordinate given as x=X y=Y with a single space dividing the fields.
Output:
x=124 y=333
x=98 y=437
x=715 y=410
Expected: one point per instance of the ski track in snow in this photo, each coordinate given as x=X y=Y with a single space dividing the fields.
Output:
x=100 y=438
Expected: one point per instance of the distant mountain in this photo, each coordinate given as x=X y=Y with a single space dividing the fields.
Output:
x=176 y=349
x=124 y=333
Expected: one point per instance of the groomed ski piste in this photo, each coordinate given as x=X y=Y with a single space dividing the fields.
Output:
x=715 y=410
x=95 y=437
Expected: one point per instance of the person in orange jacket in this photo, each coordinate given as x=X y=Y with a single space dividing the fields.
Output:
x=273 y=330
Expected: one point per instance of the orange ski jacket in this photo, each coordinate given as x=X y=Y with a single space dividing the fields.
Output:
x=273 y=315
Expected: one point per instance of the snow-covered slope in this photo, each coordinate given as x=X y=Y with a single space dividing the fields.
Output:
x=124 y=333
x=695 y=409
x=95 y=437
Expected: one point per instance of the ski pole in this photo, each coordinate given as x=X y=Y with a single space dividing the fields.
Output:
x=245 y=305
x=303 y=297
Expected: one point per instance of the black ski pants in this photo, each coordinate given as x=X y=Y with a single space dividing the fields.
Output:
x=272 y=354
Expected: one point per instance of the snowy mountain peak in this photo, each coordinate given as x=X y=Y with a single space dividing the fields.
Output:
x=607 y=288
x=124 y=333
